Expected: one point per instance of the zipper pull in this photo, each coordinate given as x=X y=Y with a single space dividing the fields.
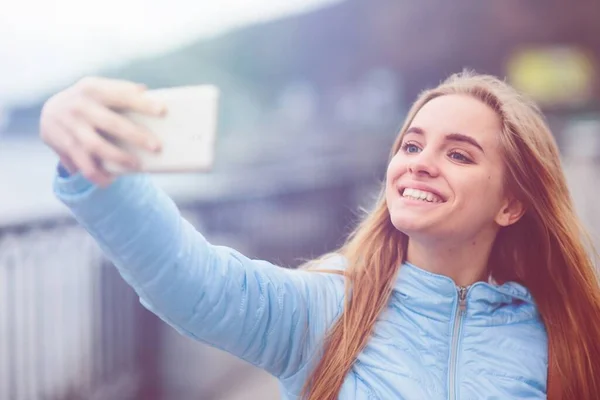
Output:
x=462 y=298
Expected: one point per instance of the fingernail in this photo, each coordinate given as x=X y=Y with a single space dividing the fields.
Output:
x=153 y=145
x=159 y=109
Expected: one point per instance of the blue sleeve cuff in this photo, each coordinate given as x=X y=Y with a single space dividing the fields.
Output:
x=70 y=184
x=62 y=171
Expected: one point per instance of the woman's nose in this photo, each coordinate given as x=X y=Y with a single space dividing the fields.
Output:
x=423 y=164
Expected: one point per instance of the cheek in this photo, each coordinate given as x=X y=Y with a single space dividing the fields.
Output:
x=395 y=169
x=483 y=191
x=392 y=174
x=493 y=186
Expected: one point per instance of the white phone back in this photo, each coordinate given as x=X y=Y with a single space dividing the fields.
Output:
x=187 y=132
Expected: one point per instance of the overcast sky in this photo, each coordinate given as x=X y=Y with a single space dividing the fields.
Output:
x=46 y=43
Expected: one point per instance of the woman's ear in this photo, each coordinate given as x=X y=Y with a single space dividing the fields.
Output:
x=511 y=211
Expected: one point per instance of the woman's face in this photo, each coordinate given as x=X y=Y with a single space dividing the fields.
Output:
x=446 y=181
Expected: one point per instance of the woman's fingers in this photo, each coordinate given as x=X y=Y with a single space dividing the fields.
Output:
x=71 y=122
x=96 y=145
x=117 y=126
x=90 y=168
x=61 y=141
x=67 y=163
x=76 y=159
x=121 y=95
x=80 y=149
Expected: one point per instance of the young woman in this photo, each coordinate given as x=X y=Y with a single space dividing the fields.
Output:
x=469 y=279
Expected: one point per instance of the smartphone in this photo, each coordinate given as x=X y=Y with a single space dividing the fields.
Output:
x=187 y=132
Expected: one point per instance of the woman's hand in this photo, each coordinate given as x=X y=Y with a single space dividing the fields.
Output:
x=71 y=122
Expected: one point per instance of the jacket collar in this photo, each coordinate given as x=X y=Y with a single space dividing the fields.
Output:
x=437 y=295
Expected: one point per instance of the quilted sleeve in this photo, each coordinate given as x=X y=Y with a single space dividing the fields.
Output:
x=269 y=316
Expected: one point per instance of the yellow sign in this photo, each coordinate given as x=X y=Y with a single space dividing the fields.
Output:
x=553 y=75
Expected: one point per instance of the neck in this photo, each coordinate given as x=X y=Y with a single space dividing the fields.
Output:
x=464 y=263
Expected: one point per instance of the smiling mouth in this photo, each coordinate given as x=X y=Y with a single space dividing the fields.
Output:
x=422 y=195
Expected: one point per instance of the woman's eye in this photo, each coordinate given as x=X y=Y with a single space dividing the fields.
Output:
x=460 y=157
x=410 y=148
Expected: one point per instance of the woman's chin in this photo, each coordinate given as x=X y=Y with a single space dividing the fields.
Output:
x=407 y=225
x=414 y=226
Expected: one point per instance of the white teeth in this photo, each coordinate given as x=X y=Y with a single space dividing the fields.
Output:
x=417 y=194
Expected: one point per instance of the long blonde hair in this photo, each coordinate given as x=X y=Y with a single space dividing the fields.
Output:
x=544 y=251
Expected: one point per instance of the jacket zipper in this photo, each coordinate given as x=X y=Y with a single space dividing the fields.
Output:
x=462 y=306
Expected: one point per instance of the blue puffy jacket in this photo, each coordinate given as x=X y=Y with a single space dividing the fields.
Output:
x=434 y=341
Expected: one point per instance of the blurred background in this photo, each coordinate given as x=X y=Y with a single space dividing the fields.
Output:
x=313 y=93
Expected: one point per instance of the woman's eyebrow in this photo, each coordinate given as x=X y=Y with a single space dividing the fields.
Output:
x=459 y=137
x=455 y=137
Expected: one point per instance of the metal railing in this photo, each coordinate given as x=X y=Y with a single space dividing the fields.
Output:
x=58 y=336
